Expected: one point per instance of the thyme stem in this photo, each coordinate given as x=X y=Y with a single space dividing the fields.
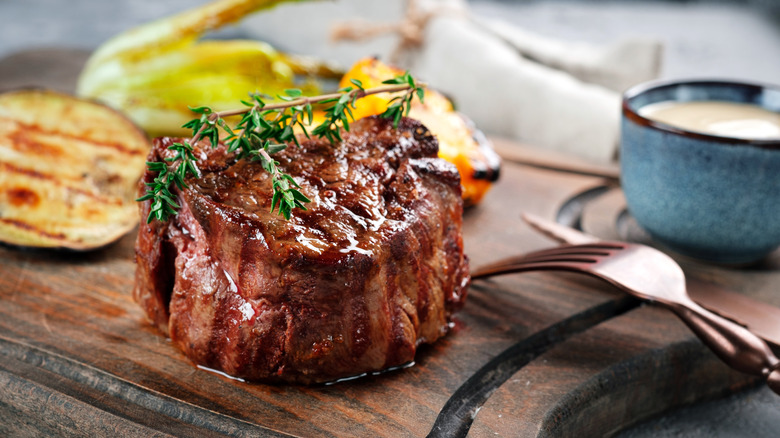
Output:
x=360 y=93
x=261 y=124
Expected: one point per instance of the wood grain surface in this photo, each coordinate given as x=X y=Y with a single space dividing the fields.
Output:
x=538 y=354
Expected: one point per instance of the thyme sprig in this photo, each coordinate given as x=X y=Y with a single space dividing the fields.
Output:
x=265 y=129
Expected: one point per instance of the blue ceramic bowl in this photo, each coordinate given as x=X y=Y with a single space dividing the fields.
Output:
x=706 y=196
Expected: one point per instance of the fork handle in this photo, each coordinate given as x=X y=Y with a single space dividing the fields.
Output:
x=734 y=344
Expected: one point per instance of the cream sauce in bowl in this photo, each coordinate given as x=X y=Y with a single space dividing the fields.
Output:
x=727 y=119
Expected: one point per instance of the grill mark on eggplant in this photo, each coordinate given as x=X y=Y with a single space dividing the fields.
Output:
x=28 y=227
x=58 y=181
x=23 y=133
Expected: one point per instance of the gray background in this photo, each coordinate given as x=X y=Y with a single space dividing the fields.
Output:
x=739 y=39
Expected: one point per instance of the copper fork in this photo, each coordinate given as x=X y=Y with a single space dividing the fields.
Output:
x=651 y=275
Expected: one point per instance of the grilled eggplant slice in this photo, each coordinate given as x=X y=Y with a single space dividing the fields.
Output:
x=68 y=171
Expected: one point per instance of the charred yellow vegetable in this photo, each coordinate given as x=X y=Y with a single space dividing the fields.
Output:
x=154 y=72
x=459 y=142
x=68 y=171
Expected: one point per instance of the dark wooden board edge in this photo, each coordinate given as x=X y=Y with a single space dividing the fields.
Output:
x=92 y=401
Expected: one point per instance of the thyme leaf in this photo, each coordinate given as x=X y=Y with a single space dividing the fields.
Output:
x=263 y=130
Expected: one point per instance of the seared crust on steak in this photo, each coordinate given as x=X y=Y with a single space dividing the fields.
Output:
x=355 y=284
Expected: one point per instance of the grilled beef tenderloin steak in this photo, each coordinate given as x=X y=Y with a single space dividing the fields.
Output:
x=374 y=268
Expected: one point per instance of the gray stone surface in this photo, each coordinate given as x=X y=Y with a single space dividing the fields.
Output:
x=751 y=414
x=75 y=24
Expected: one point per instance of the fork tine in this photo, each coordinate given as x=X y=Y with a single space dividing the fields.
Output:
x=605 y=248
x=569 y=253
x=601 y=247
x=541 y=258
x=581 y=255
x=587 y=258
x=568 y=258
x=524 y=265
x=585 y=253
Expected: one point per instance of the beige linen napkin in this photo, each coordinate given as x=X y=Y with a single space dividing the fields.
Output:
x=617 y=66
x=543 y=92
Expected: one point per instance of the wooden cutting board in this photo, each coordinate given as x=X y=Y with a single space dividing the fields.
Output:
x=538 y=354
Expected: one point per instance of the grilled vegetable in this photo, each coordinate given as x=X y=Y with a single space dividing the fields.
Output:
x=154 y=72
x=68 y=171
x=459 y=142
